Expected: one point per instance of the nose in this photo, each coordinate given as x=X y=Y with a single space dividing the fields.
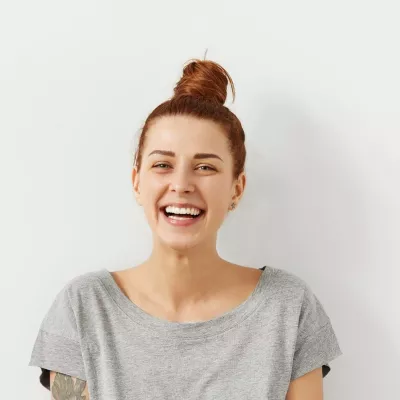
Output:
x=181 y=183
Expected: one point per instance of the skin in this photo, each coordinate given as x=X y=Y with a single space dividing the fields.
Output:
x=184 y=266
x=307 y=387
x=184 y=277
x=65 y=387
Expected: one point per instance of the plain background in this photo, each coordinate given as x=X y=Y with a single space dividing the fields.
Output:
x=318 y=95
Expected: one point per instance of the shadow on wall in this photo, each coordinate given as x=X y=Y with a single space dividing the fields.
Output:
x=304 y=211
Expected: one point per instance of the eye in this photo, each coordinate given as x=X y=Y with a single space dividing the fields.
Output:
x=208 y=168
x=157 y=165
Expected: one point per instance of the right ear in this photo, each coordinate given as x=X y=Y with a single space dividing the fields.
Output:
x=135 y=182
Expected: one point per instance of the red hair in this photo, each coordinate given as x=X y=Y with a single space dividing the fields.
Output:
x=201 y=92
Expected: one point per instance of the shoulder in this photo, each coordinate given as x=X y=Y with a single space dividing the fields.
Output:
x=285 y=290
x=85 y=279
x=82 y=287
x=286 y=283
x=296 y=295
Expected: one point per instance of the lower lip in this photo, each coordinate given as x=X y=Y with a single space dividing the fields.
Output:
x=182 y=222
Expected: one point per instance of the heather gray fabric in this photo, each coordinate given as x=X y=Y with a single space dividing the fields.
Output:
x=94 y=332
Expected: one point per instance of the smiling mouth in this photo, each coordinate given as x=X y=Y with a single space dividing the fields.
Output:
x=183 y=216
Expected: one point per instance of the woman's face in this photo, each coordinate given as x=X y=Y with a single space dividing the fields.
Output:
x=198 y=169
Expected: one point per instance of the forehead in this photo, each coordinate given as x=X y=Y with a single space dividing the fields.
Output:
x=184 y=134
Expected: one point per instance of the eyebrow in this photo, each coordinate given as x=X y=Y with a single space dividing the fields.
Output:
x=196 y=156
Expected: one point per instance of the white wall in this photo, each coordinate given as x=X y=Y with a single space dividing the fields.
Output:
x=318 y=94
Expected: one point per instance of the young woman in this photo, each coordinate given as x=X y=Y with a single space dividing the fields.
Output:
x=187 y=324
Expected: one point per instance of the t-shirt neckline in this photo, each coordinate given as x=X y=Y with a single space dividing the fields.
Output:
x=197 y=329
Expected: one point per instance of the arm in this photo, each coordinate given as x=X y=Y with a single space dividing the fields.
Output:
x=307 y=387
x=65 y=387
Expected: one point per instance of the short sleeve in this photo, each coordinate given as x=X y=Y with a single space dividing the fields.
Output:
x=316 y=344
x=57 y=345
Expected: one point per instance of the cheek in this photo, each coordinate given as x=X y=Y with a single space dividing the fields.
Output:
x=218 y=194
x=151 y=186
x=150 y=196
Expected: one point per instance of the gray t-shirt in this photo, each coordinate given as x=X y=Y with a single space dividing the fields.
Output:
x=94 y=332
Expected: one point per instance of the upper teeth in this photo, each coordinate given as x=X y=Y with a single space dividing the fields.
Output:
x=176 y=210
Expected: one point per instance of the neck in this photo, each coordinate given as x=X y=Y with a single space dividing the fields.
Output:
x=178 y=280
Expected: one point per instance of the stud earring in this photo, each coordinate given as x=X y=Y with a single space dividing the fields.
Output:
x=233 y=205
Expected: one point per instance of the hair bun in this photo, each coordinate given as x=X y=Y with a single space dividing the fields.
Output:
x=204 y=79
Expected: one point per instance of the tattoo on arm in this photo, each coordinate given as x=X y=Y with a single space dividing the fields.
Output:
x=64 y=387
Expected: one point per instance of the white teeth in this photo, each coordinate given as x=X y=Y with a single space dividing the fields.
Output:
x=176 y=210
